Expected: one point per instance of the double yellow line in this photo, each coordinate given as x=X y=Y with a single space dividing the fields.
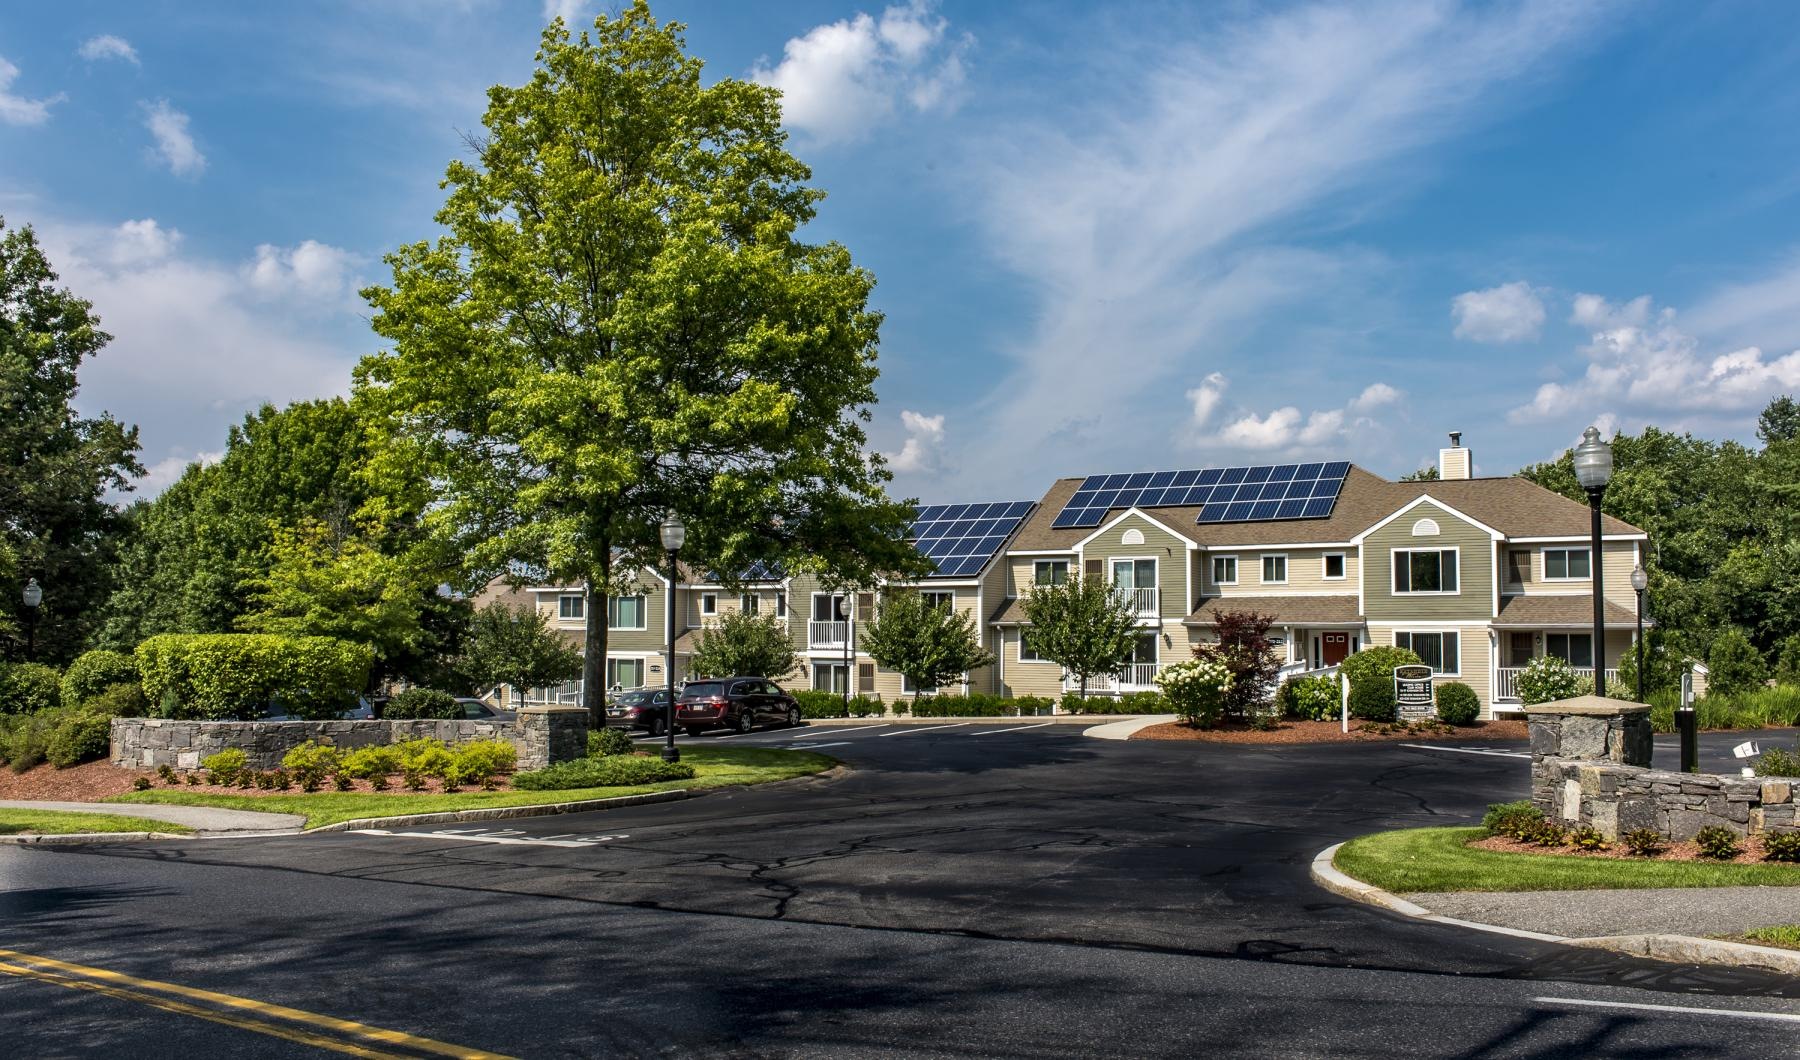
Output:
x=297 y=1025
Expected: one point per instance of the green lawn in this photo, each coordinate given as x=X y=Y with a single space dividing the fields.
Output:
x=59 y=822
x=1436 y=859
x=714 y=767
x=1785 y=936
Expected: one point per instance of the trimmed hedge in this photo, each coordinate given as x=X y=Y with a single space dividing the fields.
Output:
x=423 y=703
x=226 y=676
x=1371 y=676
x=1457 y=703
x=611 y=771
x=28 y=688
x=93 y=673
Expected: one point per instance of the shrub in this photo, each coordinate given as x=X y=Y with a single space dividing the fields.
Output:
x=1781 y=846
x=193 y=780
x=1198 y=689
x=423 y=703
x=311 y=762
x=426 y=758
x=1717 y=841
x=1371 y=676
x=1548 y=833
x=93 y=673
x=166 y=772
x=1510 y=818
x=898 y=708
x=1778 y=763
x=1735 y=664
x=78 y=737
x=612 y=771
x=479 y=762
x=1587 y=837
x=1034 y=706
x=28 y=688
x=119 y=701
x=225 y=766
x=220 y=676
x=1457 y=704
x=367 y=763
x=141 y=784
x=608 y=741
x=816 y=704
x=1072 y=703
x=1787 y=665
x=1644 y=842
x=1315 y=698
x=1548 y=678
x=866 y=706
x=26 y=740
x=342 y=782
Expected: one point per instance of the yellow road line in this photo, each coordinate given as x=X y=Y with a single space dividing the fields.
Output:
x=84 y=976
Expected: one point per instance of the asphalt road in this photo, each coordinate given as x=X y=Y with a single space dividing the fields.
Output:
x=977 y=889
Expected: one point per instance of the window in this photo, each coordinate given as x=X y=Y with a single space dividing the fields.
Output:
x=829 y=608
x=941 y=599
x=1050 y=572
x=1436 y=650
x=781 y=605
x=830 y=677
x=1334 y=566
x=1425 y=571
x=570 y=606
x=1567 y=564
x=624 y=673
x=1576 y=649
x=709 y=603
x=1224 y=570
x=1518 y=566
x=1274 y=570
x=1027 y=653
x=625 y=612
x=750 y=603
x=907 y=688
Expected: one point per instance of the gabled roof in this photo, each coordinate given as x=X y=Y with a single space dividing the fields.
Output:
x=1573 y=610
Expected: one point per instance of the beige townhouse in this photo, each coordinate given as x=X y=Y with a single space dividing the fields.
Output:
x=1477 y=575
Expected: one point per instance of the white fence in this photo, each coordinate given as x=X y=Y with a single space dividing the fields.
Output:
x=1506 y=682
x=827 y=634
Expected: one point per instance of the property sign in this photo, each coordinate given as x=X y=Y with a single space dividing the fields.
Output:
x=1413 y=692
x=1747 y=749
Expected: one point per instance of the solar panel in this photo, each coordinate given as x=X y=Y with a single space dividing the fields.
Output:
x=1223 y=494
x=959 y=539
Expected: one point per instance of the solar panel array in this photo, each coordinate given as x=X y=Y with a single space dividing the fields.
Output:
x=961 y=538
x=1223 y=494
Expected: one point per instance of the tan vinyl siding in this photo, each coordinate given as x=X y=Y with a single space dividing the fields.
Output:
x=1169 y=551
x=1475 y=569
x=1028 y=678
x=1474 y=650
x=1305 y=572
x=1617 y=560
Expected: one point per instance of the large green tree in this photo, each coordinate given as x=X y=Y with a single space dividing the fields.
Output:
x=56 y=467
x=744 y=644
x=929 y=644
x=1083 y=625
x=516 y=647
x=620 y=320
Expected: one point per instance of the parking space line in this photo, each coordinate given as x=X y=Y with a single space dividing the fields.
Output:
x=1467 y=750
x=811 y=746
x=1012 y=728
x=1686 y=1010
x=927 y=728
x=859 y=734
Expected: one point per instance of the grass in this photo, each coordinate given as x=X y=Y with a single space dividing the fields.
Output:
x=1758 y=709
x=1786 y=936
x=1437 y=859
x=60 y=822
x=714 y=767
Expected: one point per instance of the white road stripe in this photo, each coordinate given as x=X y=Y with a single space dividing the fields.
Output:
x=1467 y=750
x=505 y=837
x=1013 y=728
x=854 y=734
x=810 y=746
x=927 y=728
x=1727 y=1013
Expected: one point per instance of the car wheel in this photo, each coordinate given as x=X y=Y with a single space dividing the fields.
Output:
x=656 y=727
x=745 y=722
x=793 y=717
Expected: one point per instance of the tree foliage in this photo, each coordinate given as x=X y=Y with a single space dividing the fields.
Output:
x=517 y=647
x=742 y=644
x=931 y=646
x=1734 y=665
x=1083 y=625
x=620 y=320
x=1243 y=648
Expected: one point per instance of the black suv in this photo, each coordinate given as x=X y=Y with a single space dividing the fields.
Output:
x=738 y=703
x=644 y=708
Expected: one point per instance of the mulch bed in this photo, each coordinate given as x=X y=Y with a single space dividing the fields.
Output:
x=1751 y=854
x=1290 y=732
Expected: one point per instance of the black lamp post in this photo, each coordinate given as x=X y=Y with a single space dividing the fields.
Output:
x=1639 y=582
x=674 y=535
x=34 y=595
x=1593 y=469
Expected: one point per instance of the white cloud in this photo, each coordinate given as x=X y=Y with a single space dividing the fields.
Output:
x=570 y=11
x=311 y=269
x=1374 y=396
x=923 y=448
x=174 y=144
x=1511 y=312
x=842 y=79
x=1594 y=311
x=135 y=242
x=17 y=110
x=1284 y=428
x=161 y=474
x=107 y=46
x=1205 y=398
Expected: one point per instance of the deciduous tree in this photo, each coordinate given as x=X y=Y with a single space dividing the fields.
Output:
x=930 y=645
x=1083 y=625
x=517 y=647
x=744 y=644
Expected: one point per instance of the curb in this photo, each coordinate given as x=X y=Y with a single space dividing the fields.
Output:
x=503 y=813
x=83 y=838
x=1681 y=949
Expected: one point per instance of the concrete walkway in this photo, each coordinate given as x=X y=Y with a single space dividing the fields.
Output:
x=1593 y=914
x=1122 y=730
x=207 y=820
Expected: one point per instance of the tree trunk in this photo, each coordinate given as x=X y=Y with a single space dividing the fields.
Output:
x=593 y=658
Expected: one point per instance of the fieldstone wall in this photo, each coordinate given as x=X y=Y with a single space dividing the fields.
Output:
x=542 y=735
x=1590 y=761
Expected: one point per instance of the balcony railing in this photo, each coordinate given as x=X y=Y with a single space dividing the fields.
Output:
x=827 y=634
x=1132 y=677
x=1143 y=602
x=1507 y=686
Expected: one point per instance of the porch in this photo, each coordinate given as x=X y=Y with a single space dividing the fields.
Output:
x=1506 y=680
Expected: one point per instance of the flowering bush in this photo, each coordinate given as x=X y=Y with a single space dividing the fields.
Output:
x=1548 y=679
x=1197 y=689
x=1315 y=698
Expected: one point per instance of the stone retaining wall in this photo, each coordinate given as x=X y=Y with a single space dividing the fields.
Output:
x=543 y=735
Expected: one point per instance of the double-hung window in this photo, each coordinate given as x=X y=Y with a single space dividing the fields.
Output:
x=709 y=604
x=625 y=612
x=1274 y=570
x=939 y=599
x=1576 y=649
x=781 y=605
x=1440 y=651
x=570 y=606
x=624 y=673
x=1224 y=570
x=1050 y=572
x=749 y=603
x=1425 y=570
x=1027 y=653
x=1334 y=567
x=1567 y=564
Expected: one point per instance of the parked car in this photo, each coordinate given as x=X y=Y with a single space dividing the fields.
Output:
x=475 y=710
x=643 y=708
x=739 y=703
x=275 y=710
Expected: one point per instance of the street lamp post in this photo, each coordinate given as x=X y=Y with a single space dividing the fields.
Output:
x=1593 y=469
x=34 y=595
x=1639 y=582
x=674 y=535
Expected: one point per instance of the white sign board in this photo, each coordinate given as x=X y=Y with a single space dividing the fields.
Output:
x=1747 y=749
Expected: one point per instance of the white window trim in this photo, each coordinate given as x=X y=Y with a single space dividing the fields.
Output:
x=1345 y=563
x=1394 y=562
x=1211 y=570
x=1588 y=577
x=1036 y=660
x=1112 y=561
x=1457 y=633
x=781 y=604
x=561 y=617
x=813 y=607
x=643 y=611
x=709 y=604
x=1266 y=557
x=926 y=594
x=750 y=603
x=1067 y=566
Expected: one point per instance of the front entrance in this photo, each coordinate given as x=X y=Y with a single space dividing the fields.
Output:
x=1335 y=648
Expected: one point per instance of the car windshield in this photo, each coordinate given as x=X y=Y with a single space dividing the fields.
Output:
x=703 y=689
x=633 y=699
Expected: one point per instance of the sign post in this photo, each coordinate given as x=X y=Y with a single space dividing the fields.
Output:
x=1345 y=683
x=1413 y=694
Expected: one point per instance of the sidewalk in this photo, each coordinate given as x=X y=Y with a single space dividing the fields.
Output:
x=205 y=820
x=1650 y=911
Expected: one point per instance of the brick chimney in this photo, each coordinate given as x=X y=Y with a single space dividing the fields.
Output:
x=1454 y=462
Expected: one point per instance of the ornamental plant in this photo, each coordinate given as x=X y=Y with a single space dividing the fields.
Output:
x=1717 y=841
x=1644 y=842
x=311 y=762
x=1198 y=689
x=222 y=676
x=1371 y=676
x=1314 y=698
x=93 y=673
x=1457 y=704
x=1548 y=678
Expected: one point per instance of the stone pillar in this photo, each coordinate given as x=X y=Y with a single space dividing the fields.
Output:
x=1586 y=728
x=551 y=733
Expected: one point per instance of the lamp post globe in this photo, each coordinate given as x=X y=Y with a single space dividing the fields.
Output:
x=1593 y=469
x=1593 y=461
x=34 y=594
x=674 y=532
x=674 y=535
x=1639 y=582
x=32 y=597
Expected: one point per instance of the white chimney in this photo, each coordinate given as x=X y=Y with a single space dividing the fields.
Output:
x=1454 y=461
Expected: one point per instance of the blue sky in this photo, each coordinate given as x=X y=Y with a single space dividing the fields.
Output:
x=1107 y=237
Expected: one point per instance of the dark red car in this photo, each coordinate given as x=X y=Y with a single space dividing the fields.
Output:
x=738 y=703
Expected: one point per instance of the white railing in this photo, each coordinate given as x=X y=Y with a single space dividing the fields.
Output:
x=1143 y=602
x=1305 y=669
x=1138 y=675
x=827 y=634
x=1506 y=685
x=1132 y=677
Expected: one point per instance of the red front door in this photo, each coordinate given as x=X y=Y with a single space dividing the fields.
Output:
x=1336 y=648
